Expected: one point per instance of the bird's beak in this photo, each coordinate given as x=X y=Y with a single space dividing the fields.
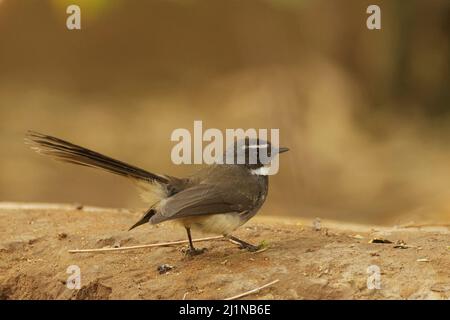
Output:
x=282 y=149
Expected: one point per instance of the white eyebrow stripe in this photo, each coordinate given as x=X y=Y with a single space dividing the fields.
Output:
x=257 y=146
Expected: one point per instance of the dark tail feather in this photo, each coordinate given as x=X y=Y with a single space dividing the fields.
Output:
x=145 y=218
x=68 y=152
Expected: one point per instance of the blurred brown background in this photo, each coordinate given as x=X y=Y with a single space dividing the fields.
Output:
x=365 y=113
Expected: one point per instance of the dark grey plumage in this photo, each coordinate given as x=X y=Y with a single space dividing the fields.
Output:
x=218 y=198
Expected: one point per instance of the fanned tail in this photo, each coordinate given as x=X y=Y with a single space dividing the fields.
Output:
x=71 y=153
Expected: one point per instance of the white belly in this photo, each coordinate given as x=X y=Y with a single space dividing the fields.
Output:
x=217 y=223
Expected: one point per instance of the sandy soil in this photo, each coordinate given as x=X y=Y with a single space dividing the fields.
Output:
x=312 y=261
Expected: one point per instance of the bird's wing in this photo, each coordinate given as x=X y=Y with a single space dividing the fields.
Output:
x=202 y=199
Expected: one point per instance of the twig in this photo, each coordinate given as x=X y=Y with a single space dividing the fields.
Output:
x=421 y=225
x=162 y=244
x=252 y=291
x=233 y=242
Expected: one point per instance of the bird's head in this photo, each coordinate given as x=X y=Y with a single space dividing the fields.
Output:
x=253 y=153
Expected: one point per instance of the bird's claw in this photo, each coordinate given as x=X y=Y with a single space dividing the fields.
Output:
x=191 y=252
x=249 y=247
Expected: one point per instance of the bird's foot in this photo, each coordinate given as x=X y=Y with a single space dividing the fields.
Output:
x=191 y=252
x=249 y=247
x=245 y=245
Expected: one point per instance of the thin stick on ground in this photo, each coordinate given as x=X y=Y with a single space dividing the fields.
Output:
x=252 y=291
x=162 y=244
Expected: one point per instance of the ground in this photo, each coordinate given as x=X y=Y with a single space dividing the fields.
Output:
x=311 y=260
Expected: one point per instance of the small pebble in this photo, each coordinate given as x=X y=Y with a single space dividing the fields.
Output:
x=317 y=225
x=164 y=268
x=62 y=235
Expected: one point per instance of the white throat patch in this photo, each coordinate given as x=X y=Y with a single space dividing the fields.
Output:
x=263 y=171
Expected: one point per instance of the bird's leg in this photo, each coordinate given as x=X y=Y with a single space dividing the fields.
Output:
x=192 y=251
x=243 y=244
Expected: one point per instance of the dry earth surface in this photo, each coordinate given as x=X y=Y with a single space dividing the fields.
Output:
x=311 y=261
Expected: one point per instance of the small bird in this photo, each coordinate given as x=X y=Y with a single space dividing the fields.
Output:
x=217 y=199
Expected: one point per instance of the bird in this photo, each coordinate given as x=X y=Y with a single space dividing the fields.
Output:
x=217 y=198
